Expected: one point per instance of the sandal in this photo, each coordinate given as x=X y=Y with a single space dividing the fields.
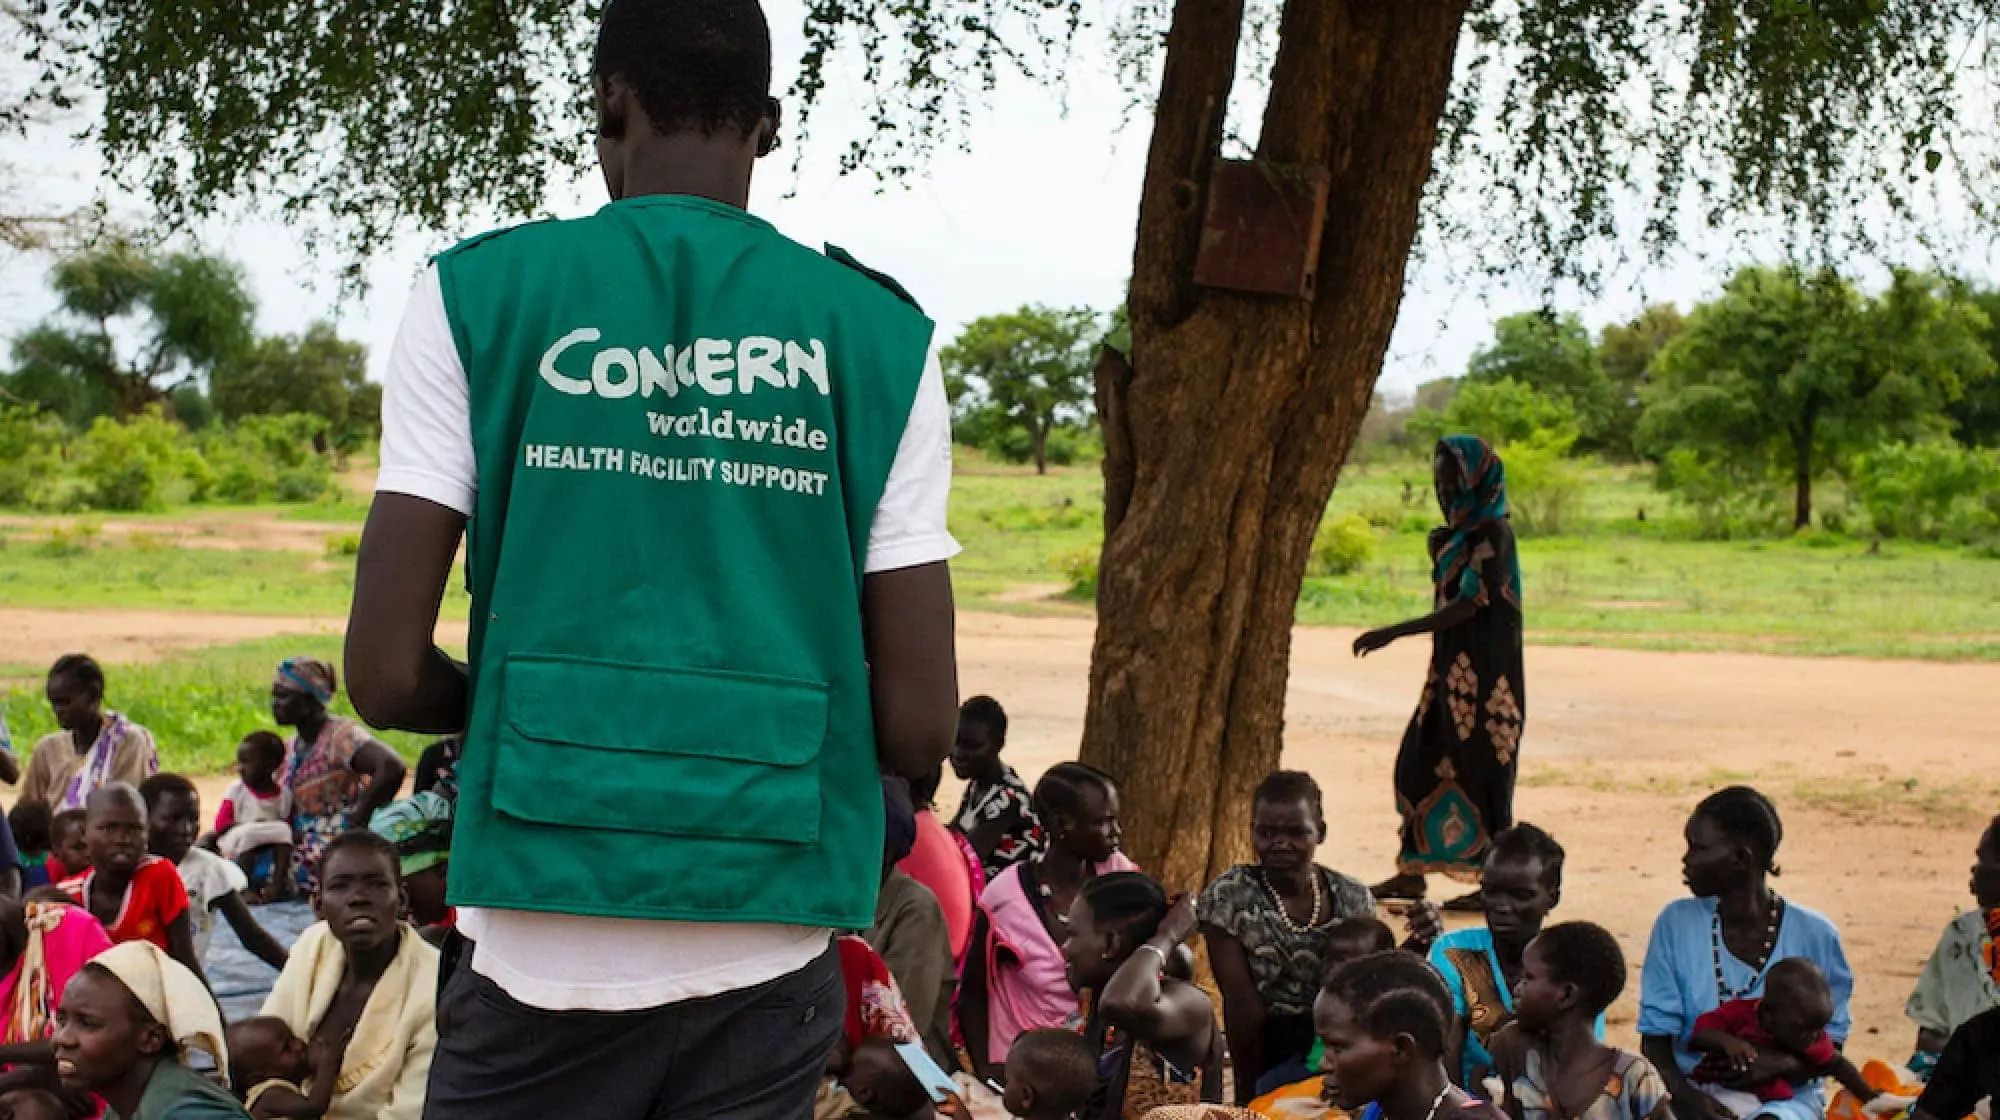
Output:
x=1406 y=888
x=1474 y=903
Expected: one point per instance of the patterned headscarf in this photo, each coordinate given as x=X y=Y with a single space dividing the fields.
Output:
x=420 y=829
x=311 y=674
x=1481 y=497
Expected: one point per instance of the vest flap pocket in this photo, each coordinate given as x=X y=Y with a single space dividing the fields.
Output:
x=678 y=752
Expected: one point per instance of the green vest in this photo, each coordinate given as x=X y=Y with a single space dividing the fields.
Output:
x=683 y=422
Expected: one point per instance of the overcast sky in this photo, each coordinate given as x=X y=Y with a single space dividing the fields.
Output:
x=1040 y=210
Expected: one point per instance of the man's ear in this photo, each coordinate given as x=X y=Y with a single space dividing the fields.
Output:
x=767 y=129
x=1322 y=831
x=1404 y=1045
x=613 y=108
x=1555 y=897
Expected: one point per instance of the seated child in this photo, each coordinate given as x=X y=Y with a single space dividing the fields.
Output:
x=276 y=1074
x=1962 y=978
x=1051 y=1074
x=419 y=828
x=254 y=821
x=1791 y=1017
x=1549 y=1060
x=1346 y=940
x=882 y=1085
x=30 y=823
x=214 y=885
x=134 y=895
x=69 y=848
x=1383 y=1019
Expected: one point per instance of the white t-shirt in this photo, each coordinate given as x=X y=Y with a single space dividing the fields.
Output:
x=565 y=962
x=208 y=878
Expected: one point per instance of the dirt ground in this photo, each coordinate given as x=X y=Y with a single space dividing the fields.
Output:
x=1883 y=770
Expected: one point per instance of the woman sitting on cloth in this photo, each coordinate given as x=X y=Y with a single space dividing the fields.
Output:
x=123 y=1031
x=338 y=774
x=1013 y=978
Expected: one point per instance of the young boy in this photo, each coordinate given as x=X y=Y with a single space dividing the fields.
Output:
x=1522 y=883
x=69 y=846
x=276 y=1074
x=253 y=823
x=30 y=822
x=1549 y=1060
x=135 y=895
x=214 y=885
x=1791 y=1016
x=1051 y=1073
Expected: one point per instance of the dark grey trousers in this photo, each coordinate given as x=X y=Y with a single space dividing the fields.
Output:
x=754 y=1054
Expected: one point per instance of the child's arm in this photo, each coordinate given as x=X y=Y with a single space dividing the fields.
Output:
x=1711 y=1040
x=253 y=936
x=281 y=1102
x=180 y=945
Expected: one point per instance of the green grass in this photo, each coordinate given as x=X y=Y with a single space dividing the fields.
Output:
x=1629 y=574
x=197 y=704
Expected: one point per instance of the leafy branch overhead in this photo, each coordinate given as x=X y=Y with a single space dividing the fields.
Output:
x=368 y=117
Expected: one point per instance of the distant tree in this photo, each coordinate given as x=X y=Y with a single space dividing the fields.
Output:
x=1976 y=415
x=134 y=325
x=1553 y=355
x=1626 y=351
x=315 y=374
x=1028 y=369
x=1797 y=372
x=1503 y=412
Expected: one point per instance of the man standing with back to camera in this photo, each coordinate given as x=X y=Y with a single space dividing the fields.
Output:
x=702 y=474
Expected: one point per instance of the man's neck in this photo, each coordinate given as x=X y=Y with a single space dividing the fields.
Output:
x=85 y=737
x=689 y=164
x=367 y=965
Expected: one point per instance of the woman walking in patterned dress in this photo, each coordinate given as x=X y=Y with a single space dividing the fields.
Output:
x=1455 y=771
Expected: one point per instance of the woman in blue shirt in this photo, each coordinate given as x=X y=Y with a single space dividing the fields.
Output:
x=1718 y=946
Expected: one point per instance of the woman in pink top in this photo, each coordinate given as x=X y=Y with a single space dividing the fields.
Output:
x=43 y=944
x=939 y=863
x=1014 y=979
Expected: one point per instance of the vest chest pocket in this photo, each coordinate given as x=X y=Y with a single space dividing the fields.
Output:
x=674 y=752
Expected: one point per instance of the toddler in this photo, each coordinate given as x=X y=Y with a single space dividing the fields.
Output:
x=30 y=822
x=254 y=820
x=1791 y=1016
x=69 y=847
x=275 y=1074
x=1051 y=1074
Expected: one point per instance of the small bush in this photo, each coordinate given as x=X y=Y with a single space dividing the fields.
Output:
x=70 y=540
x=140 y=464
x=1544 y=485
x=1925 y=490
x=1341 y=546
x=1079 y=570
x=343 y=544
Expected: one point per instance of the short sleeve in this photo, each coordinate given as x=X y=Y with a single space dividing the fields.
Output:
x=1221 y=904
x=170 y=890
x=1645 y=1090
x=909 y=526
x=215 y=878
x=1925 y=1006
x=1663 y=1010
x=1441 y=961
x=1832 y=960
x=426 y=449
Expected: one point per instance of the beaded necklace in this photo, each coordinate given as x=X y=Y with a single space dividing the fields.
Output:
x=1319 y=898
x=1722 y=989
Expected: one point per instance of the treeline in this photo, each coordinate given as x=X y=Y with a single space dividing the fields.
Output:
x=1746 y=405
x=149 y=385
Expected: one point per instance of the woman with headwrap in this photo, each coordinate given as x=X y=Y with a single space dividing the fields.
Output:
x=127 y=1021
x=338 y=774
x=1455 y=771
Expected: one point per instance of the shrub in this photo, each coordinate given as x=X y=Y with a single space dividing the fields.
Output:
x=1544 y=486
x=138 y=464
x=1079 y=570
x=1341 y=546
x=1728 y=500
x=343 y=544
x=30 y=455
x=1924 y=490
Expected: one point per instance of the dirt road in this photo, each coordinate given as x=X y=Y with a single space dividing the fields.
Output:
x=1883 y=770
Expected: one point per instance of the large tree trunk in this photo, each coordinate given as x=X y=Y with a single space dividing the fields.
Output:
x=1225 y=433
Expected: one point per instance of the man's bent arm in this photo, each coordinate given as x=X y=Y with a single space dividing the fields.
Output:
x=907 y=622
x=396 y=675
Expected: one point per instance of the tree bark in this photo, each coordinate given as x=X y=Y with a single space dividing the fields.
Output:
x=1225 y=433
x=1802 y=469
x=1039 y=433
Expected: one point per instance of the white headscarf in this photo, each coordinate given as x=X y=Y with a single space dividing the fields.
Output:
x=173 y=995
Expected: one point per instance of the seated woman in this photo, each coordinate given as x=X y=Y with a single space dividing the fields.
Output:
x=1266 y=926
x=1719 y=946
x=1962 y=978
x=363 y=974
x=126 y=1022
x=1383 y=1020
x=1522 y=883
x=1155 y=1035
x=91 y=748
x=938 y=860
x=42 y=945
x=1013 y=978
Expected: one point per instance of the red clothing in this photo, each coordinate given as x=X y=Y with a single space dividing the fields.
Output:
x=1738 y=1017
x=58 y=874
x=875 y=1006
x=153 y=899
x=935 y=862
